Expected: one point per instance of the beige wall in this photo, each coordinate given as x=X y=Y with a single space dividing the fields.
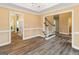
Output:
x=4 y=19
x=32 y=25
x=63 y=23
x=76 y=41
x=4 y=38
x=4 y=26
x=76 y=27
x=32 y=21
x=76 y=17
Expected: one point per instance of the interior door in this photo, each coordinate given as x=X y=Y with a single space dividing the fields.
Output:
x=56 y=18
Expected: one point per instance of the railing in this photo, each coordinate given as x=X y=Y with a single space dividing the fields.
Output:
x=48 y=21
x=48 y=26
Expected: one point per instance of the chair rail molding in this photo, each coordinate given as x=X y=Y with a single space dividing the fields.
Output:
x=4 y=30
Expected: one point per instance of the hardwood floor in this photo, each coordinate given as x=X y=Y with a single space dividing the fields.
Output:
x=54 y=46
x=19 y=46
x=38 y=46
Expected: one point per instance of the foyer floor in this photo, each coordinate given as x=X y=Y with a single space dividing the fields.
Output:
x=37 y=46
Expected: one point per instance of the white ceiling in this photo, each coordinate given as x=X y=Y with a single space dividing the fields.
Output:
x=38 y=7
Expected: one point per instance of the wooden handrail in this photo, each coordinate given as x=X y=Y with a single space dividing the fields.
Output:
x=49 y=22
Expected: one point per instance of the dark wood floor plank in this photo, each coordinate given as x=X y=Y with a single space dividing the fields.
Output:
x=38 y=46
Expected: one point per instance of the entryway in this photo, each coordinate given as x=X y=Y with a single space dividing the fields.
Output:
x=16 y=26
x=59 y=25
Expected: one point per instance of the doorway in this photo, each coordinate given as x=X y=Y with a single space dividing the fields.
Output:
x=16 y=26
x=63 y=26
x=56 y=22
x=70 y=24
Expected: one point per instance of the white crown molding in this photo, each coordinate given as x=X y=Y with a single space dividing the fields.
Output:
x=13 y=7
x=48 y=10
x=59 y=7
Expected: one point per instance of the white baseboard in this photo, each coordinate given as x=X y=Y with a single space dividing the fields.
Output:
x=63 y=33
x=75 y=47
x=37 y=36
x=50 y=37
x=3 y=44
x=32 y=37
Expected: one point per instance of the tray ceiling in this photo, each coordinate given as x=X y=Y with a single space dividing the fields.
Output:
x=38 y=7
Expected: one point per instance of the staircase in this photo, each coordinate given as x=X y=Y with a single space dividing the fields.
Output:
x=49 y=31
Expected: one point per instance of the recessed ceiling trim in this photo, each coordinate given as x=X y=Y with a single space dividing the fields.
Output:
x=13 y=7
x=38 y=7
x=44 y=11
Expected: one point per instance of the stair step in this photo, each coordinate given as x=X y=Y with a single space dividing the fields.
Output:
x=47 y=38
x=51 y=35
